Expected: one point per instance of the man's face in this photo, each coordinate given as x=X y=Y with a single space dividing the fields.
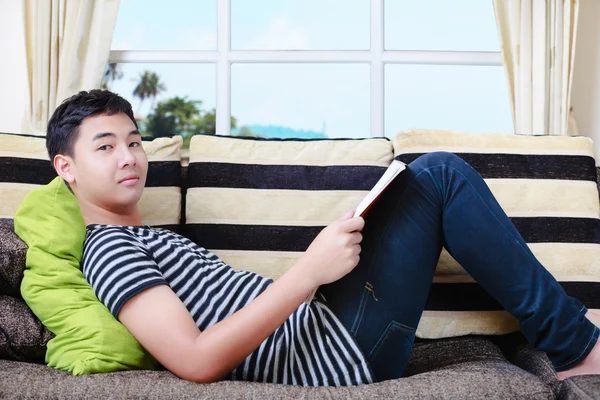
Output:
x=109 y=164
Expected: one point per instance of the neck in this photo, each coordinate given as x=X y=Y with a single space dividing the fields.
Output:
x=94 y=214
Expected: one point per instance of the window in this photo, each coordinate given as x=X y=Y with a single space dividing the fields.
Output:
x=310 y=68
x=301 y=100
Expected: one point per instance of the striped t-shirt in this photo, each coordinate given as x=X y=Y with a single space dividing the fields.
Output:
x=311 y=348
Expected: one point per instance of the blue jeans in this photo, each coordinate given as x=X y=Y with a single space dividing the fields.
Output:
x=438 y=201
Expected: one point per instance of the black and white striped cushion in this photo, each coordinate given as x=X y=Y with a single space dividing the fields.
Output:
x=259 y=203
x=547 y=186
x=24 y=166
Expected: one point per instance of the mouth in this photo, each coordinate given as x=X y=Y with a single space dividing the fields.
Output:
x=130 y=180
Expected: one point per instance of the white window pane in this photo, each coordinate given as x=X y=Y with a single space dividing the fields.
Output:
x=300 y=25
x=160 y=25
x=179 y=86
x=453 y=97
x=460 y=25
x=301 y=100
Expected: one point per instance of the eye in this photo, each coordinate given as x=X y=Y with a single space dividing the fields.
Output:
x=135 y=144
x=105 y=147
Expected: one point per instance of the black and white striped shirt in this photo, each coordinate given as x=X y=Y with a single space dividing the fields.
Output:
x=312 y=348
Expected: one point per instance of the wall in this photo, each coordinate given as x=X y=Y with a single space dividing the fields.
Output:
x=586 y=73
x=13 y=67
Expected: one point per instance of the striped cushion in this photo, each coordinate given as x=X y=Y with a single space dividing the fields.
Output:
x=547 y=186
x=24 y=165
x=259 y=203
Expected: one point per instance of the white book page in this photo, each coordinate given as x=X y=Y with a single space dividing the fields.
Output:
x=388 y=176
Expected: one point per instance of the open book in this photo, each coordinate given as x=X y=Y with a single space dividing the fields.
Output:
x=388 y=176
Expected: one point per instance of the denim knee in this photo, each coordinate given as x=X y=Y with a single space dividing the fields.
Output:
x=439 y=157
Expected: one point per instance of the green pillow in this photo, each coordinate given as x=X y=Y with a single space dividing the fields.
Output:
x=88 y=338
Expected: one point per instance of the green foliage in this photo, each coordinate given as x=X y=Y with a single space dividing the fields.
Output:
x=180 y=116
x=207 y=123
x=174 y=116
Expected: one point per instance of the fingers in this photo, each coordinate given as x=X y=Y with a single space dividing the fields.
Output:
x=356 y=237
x=347 y=215
x=353 y=240
x=353 y=224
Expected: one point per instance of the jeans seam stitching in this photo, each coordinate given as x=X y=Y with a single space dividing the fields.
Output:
x=359 y=314
x=375 y=351
x=388 y=330
x=583 y=351
x=405 y=327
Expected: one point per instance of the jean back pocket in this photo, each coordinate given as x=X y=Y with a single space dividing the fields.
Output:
x=390 y=354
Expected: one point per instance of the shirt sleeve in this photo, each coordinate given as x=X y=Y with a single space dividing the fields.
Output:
x=118 y=267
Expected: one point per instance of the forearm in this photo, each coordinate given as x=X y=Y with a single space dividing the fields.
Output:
x=223 y=346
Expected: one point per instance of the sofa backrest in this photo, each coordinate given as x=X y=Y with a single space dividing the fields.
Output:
x=259 y=203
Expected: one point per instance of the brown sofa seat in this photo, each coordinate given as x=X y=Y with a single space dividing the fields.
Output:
x=461 y=368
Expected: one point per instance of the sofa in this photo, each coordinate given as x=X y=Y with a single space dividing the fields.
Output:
x=257 y=203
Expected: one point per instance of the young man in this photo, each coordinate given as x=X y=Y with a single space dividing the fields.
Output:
x=206 y=322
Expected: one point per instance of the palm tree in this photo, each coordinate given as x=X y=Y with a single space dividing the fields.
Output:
x=148 y=87
x=112 y=73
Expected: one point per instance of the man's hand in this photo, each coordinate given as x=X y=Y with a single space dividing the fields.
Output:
x=335 y=251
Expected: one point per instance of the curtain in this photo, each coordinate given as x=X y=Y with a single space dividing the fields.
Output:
x=67 y=46
x=537 y=38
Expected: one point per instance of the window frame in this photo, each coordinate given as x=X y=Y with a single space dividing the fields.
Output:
x=377 y=57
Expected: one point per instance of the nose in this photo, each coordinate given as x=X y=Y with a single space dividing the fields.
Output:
x=126 y=158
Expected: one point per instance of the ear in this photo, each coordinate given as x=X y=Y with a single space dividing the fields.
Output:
x=63 y=166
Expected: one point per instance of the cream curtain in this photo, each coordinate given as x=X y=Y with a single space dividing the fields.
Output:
x=538 y=47
x=67 y=46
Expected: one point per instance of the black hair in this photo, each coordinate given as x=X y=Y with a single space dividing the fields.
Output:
x=63 y=126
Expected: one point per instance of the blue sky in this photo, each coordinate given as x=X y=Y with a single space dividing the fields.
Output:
x=334 y=96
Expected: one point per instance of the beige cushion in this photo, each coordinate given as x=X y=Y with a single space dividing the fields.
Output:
x=259 y=203
x=547 y=186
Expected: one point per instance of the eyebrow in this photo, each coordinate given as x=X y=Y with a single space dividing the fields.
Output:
x=105 y=134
